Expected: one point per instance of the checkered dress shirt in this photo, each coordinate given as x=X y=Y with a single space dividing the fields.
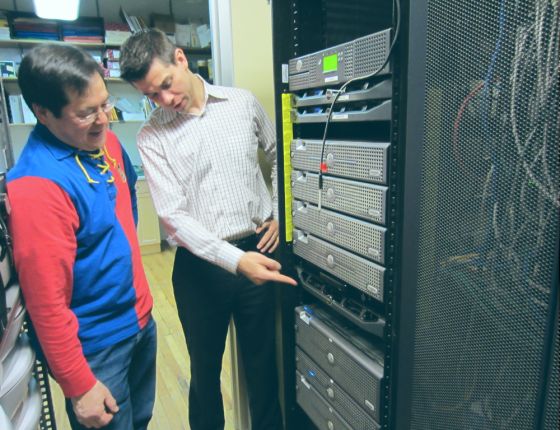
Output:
x=203 y=172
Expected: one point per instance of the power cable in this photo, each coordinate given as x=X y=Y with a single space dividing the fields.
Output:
x=323 y=166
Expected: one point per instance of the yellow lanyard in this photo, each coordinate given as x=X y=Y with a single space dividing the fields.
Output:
x=104 y=167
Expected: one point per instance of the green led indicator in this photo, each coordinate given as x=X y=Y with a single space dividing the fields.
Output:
x=330 y=63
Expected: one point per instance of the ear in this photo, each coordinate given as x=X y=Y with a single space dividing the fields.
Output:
x=42 y=114
x=181 y=59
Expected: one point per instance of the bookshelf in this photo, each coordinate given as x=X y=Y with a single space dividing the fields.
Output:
x=31 y=43
x=126 y=130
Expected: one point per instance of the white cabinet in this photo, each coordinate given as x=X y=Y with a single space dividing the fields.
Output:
x=148 y=224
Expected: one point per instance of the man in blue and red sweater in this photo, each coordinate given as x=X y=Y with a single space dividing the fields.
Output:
x=72 y=216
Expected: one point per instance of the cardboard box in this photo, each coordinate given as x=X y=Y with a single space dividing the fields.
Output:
x=112 y=73
x=112 y=54
x=165 y=23
x=116 y=36
x=117 y=26
x=183 y=35
x=113 y=65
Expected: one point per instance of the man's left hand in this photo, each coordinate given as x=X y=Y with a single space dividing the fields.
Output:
x=270 y=239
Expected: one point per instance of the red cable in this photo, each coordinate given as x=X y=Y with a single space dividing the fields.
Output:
x=456 y=132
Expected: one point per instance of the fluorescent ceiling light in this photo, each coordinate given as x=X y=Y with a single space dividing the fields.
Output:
x=57 y=9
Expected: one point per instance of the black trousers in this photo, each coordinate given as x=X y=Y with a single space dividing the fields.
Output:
x=207 y=296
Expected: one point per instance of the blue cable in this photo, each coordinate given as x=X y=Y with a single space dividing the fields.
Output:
x=485 y=122
x=494 y=157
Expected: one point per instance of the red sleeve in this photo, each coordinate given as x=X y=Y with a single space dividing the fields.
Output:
x=43 y=224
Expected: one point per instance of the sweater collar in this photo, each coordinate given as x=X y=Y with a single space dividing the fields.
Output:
x=57 y=147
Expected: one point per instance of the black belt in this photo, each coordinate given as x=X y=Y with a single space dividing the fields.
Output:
x=248 y=243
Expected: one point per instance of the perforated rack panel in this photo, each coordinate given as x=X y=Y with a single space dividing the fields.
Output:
x=359 y=236
x=337 y=354
x=328 y=388
x=363 y=161
x=551 y=413
x=356 y=271
x=488 y=215
x=359 y=199
x=355 y=59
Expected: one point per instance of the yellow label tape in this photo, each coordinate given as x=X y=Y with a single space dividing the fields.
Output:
x=288 y=135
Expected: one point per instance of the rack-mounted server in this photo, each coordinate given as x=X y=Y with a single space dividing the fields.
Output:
x=341 y=63
x=335 y=358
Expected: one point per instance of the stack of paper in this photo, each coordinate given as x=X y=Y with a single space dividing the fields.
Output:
x=85 y=33
x=35 y=28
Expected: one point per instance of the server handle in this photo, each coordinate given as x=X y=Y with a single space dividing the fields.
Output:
x=375 y=325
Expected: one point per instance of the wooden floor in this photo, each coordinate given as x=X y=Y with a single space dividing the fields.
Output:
x=173 y=364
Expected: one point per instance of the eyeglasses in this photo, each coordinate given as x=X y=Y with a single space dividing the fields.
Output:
x=105 y=107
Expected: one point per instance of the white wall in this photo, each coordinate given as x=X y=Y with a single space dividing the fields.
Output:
x=251 y=23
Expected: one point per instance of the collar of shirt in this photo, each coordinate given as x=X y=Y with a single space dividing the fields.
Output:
x=210 y=91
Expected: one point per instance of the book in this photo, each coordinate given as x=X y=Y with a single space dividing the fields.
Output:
x=28 y=115
x=195 y=41
x=126 y=18
x=142 y=23
x=16 y=109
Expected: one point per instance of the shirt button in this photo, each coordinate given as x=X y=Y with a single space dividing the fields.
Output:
x=231 y=223
x=223 y=197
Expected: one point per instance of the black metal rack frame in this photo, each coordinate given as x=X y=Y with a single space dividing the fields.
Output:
x=304 y=27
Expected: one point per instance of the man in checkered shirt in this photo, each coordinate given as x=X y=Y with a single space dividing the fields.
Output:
x=199 y=149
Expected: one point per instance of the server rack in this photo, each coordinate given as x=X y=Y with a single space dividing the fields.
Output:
x=358 y=236
x=455 y=354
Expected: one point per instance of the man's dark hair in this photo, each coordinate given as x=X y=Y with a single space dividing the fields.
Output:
x=141 y=49
x=48 y=73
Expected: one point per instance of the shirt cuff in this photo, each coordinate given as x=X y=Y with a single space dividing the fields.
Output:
x=228 y=257
x=80 y=384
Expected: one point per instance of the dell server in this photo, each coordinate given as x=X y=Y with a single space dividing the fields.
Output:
x=362 y=161
x=343 y=354
x=364 y=200
x=328 y=388
x=341 y=63
x=358 y=272
x=354 y=234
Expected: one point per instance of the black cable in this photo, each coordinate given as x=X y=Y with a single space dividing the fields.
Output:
x=338 y=92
